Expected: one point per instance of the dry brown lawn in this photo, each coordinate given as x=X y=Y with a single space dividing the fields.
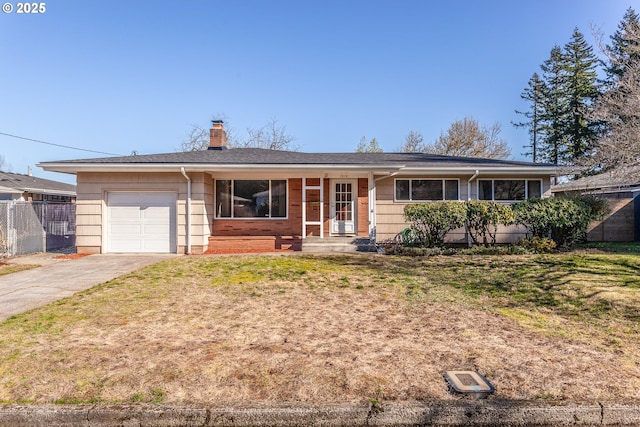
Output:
x=332 y=329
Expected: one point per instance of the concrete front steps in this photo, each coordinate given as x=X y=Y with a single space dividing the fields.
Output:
x=258 y=244
x=337 y=245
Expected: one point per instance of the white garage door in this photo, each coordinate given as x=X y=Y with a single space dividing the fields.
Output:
x=141 y=222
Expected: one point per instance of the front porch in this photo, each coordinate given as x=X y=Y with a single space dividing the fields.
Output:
x=323 y=215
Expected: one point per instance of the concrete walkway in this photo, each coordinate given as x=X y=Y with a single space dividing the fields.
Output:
x=59 y=278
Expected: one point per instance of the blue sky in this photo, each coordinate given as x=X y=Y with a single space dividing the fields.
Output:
x=117 y=76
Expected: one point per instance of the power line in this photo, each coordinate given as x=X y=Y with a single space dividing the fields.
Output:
x=58 y=145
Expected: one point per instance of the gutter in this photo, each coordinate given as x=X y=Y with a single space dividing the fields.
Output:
x=46 y=191
x=188 y=213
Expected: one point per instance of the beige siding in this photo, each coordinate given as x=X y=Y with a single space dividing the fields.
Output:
x=389 y=213
x=92 y=198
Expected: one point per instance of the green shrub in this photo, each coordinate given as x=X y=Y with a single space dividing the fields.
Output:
x=432 y=221
x=563 y=219
x=495 y=250
x=415 y=251
x=538 y=245
x=483 y=218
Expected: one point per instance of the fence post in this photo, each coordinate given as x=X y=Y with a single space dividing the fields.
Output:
x=43 y=221
x=11 y=233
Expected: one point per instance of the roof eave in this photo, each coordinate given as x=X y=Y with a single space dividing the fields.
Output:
x=73 y=168
x=50 y=191
x=483 y=170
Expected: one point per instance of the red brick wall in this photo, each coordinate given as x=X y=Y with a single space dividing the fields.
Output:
x=363 y=207
x=327 y=207
x=293 y=225
x=267 y=227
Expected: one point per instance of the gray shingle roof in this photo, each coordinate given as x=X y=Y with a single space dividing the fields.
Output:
x=257 y=156
x=624 y=178
x=34 y=184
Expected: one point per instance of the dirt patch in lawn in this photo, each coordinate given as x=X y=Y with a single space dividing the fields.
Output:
x=310 y=329
x=72 y=256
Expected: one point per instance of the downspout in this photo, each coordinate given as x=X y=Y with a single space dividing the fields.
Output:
x=373 y=191
x=474 y=176
x=188 y=237
x=385 y=176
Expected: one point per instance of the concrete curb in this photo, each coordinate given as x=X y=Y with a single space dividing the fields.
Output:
x=445 y=413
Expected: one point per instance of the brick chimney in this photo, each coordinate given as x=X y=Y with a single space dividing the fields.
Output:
x=217 y=136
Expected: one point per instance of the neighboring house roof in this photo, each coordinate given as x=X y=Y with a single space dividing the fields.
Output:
x=16 y=183
x=256 y=158
x=608 y=181
x=8 y=190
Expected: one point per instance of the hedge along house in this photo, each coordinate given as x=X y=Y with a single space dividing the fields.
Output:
x=256 y=199
x=622 y=192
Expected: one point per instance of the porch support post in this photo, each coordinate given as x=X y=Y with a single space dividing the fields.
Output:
x=372 y=207
x=306 y=188
x=321 y=208
x=304 y=207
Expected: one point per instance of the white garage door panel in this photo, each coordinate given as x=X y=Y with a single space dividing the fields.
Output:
x=126 y=212
x=125 y=230
x=141 y=222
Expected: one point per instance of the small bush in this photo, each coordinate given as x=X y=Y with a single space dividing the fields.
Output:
x=483 y=218
x=432 y=221
x=495 y=250
x=538 y=245
x=416 y=251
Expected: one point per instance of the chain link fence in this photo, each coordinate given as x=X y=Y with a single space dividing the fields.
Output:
x=28 y=227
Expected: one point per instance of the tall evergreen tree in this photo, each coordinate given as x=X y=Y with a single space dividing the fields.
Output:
x=623 y=49
x=581 y=89
x=561 y=102
x=552 y=148
x=533 y=93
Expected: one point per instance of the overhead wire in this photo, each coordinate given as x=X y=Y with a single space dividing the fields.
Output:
x=59 y=145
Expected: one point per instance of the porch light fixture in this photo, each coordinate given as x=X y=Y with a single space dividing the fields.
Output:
x=469 y=383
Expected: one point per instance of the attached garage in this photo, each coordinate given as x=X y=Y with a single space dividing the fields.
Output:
x=140 y=222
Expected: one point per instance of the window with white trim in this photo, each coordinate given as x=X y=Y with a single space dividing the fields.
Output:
x=251 y=198
x=509 y=190
x=426 y=190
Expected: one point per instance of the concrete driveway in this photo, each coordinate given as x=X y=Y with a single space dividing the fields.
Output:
x=59 y=278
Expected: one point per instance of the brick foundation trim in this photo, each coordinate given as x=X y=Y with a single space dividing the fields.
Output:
x=253 y=244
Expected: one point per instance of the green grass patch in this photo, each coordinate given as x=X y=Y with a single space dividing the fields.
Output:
x=14 y=268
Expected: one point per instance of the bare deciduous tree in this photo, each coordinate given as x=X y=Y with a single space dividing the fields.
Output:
x=270 y=136
x=4 y=166
x=466 y=138
x=368 y=147
x=197 y=139
x=413 y=143
x=619 y=108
